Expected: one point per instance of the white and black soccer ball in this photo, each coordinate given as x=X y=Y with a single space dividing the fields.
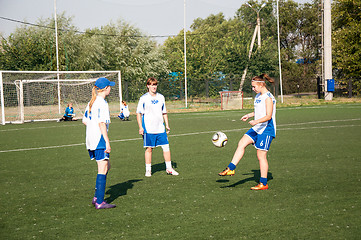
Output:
x=219 y=139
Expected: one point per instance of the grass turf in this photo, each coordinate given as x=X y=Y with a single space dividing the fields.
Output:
x=314 y=180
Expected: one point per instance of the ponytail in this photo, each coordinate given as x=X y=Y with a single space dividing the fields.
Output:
x=95 y=91
x=262 y=78
x=268 y=78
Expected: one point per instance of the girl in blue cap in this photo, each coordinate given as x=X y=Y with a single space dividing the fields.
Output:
x=97 y=120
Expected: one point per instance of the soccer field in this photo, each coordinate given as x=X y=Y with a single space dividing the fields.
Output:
x=47 y=180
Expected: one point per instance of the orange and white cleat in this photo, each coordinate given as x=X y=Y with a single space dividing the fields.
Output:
x=260 y=186
x=227 y=172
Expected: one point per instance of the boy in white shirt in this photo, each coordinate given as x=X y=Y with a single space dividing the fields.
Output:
x=151 y=116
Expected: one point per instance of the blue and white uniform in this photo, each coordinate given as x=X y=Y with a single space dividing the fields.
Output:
x=125 y=111
x=69 y=112
x=94 y=139
x=262 y=134
x=152 y=109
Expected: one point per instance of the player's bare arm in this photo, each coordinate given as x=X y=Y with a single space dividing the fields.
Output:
x=139 y=120
x=247 y=116
x=165 y=117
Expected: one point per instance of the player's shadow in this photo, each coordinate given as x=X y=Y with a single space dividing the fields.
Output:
x=254 y=178
x=161 y=167
x=120 y=189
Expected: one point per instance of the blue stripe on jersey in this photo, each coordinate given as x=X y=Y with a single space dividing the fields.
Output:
x=143 y=124
x=101 y=144
x=270 y=128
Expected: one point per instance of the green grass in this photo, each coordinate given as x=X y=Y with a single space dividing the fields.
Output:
x=314 y=179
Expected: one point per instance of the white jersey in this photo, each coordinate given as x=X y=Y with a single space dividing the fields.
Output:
x=268 y=127
x=125 y=111
x=152 y=110
x=99 y=113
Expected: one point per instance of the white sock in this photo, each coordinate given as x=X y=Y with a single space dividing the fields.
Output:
x=148 y=167
x=168 y=165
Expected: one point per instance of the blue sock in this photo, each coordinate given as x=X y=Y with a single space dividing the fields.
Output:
x=231 y=166
x=263 y=181
x=100 y=187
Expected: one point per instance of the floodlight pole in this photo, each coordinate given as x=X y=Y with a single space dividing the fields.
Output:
x=279 y=51
x=327 y=48
x=57 y=53
x=185 y=57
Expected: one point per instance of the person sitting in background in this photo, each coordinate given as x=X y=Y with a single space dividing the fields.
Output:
x=69 y=113
x=124 y=112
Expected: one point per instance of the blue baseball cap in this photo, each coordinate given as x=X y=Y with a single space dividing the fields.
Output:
x=103 y=83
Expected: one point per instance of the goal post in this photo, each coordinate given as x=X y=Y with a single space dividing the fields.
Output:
x=231 y=100
x=42 y=95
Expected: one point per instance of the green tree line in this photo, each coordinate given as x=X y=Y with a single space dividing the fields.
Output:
x=217 y=50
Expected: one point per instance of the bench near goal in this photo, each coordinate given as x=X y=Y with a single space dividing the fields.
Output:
x=43 y=95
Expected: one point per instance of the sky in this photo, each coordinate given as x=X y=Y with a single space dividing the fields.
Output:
x=152 y=17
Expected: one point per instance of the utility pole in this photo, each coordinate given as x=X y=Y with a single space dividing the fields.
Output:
x=279 y=50
x=257 y=31
x=329 y=81
x=185 y=57
x=57 y=54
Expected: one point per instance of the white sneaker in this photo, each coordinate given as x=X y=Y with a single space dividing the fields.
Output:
x=171 y=171
x=148 y=173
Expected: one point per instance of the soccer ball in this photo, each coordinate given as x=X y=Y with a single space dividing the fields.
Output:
x=219 y=139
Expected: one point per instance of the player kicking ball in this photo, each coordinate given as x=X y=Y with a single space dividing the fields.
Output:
x=262 y=132
x=151 y=117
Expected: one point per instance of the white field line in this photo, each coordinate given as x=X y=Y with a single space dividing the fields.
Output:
x=205 y=132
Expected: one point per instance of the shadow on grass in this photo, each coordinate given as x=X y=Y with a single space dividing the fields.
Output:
x=120 y=189
x=161 y=167
x=256 y=175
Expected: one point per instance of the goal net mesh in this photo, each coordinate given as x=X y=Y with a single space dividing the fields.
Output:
x=231 y=100
x=35 y=96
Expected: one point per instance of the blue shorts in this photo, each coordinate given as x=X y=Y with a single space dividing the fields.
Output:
x=155 y=140
x=98 y=154
x=260 y=141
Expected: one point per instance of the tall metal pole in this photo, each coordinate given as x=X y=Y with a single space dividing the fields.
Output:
x=57 y=54
x=185 y=58
x=279 y=51
x=327 y=47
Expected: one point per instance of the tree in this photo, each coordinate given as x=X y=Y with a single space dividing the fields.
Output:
x=117 y=46
x=347 y=42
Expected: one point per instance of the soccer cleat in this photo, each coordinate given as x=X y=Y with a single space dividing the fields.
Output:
x=171 y=171
x=148 y=173
x=94 y=200
x=104 y=205
x=260 y=186
x=227 y=172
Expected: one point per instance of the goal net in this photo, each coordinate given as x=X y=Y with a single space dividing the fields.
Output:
x=231 y=100
x=44 y=95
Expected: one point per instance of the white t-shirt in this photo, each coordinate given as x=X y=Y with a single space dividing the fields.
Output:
x=125 y=110
x=99 y=113
x=152 y=109
x=268 y=127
